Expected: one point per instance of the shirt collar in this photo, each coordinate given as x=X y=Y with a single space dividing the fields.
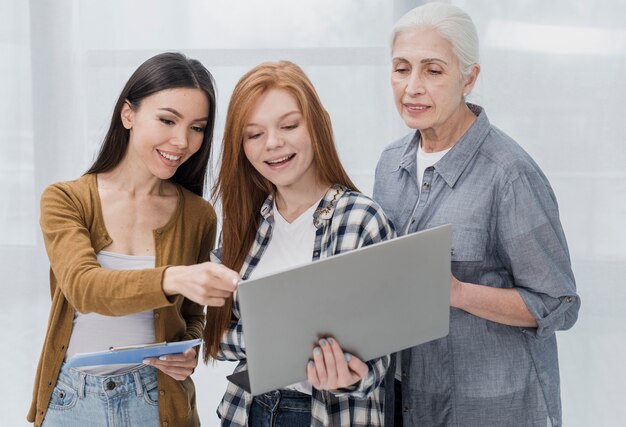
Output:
x=325 y=209
x=452 y=165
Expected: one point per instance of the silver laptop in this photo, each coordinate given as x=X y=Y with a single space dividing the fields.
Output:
x=374 y=301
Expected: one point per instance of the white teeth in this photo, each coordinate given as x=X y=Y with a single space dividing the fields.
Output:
x=169 y=156
x=282 y=159
x=416 y=108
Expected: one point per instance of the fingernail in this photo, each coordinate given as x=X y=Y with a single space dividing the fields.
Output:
x=323 y=343
x=235 y=281
x=348 y=357
x=331 y=341
x=317 y=351
x=311 y=364
x=145 y=361
x=163 y=358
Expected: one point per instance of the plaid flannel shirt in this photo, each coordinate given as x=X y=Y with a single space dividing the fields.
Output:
x=344 y=220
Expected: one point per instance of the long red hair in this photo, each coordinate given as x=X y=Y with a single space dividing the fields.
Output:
x=242 y=190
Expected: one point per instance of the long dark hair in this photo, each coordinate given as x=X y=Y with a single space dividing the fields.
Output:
x=242 y=189
x=164 y=71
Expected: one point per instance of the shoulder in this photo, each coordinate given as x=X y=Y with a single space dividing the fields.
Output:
x=359 y=216
x=79 y=191
x=354 y=201
x=356 y=207
x=508 y=156
x=197 y=207
x=400 y=143
x=397 y=148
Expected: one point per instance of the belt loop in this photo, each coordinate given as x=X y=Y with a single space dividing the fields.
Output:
x=138 y=383
x=82 y=378
x=277 y=396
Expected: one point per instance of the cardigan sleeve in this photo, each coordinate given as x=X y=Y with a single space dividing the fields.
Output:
x=192 y=312
x=88 y=287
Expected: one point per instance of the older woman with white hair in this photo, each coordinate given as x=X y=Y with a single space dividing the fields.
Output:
x=512 y=285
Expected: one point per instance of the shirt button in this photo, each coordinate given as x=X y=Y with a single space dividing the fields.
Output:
x=316 y=253
x=110 y=385
x=425 y=184
x=405 y=409
x=162 y=392
x=452 y=252
x=165 y=424
x=569 y=299
x=157 y=315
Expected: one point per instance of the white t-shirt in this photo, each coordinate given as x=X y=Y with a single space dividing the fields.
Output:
x=291 y=245
x=95 y=332
x=426 y=160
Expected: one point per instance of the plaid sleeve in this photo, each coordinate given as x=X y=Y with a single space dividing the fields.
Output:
x=370 y=382
x=232 y=346
x=363 y=223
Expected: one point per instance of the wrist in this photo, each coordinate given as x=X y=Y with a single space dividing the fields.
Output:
x=456 y=293
x=169 y=281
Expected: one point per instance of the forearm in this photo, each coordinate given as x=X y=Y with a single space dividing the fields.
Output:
x=504 y=306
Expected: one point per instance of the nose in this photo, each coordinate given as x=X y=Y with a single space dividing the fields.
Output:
x=180 y=139
x=274 y=140
x=415 y=85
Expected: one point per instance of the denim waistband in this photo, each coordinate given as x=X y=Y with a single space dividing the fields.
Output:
x=285 y=399
x=135 y=380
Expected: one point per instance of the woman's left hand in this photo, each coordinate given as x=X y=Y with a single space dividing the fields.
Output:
x=178 y=366
x=332 y=369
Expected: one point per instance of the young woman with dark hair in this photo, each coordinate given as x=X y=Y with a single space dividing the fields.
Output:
x=128 y=244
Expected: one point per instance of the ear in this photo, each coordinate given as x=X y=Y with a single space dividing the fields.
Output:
x=470 y=80
x=127 y=115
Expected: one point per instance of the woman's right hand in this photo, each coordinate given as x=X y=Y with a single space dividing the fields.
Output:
x=208 y=283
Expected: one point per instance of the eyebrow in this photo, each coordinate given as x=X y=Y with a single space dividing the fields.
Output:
x=423 y=61
x=280 y=118
x=426 y=60
x=180 y=116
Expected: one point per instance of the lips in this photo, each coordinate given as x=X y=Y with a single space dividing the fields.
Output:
x=170 y=157
x=280 y=160
x=416 y=107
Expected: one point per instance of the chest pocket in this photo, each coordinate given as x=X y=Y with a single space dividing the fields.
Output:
x=468 y=245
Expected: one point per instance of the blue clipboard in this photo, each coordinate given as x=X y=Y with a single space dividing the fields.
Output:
x=130 y=354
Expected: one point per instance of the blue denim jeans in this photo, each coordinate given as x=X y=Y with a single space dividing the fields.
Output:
x=281 y=408
x=128 y=399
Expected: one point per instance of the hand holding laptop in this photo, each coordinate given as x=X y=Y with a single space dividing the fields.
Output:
x=332 y=369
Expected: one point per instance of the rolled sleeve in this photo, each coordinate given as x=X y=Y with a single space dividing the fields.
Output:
x=533 y=247
x=551 y=314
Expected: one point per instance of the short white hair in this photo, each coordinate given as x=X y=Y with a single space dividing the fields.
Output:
x=452 y=22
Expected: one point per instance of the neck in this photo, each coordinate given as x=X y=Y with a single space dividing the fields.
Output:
x=444 y=137
x=292 y=202
x=133 y=183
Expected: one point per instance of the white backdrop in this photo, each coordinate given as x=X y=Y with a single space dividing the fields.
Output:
x=551 y=78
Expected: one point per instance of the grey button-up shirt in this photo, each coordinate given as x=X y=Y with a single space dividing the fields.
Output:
x=506 y=233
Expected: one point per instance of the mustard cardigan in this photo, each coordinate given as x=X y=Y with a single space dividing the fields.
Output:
x=73 y=230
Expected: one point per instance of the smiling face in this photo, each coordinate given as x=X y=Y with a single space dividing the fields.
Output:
x=426 y=80
x=277 y=143
x=165 y=130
